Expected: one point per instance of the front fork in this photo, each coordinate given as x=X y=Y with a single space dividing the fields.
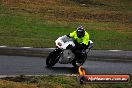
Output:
x=59 y=52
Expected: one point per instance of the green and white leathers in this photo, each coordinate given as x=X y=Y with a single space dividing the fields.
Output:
x=82 y=40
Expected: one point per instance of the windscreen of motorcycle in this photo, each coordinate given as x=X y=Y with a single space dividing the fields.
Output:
x=65 y=39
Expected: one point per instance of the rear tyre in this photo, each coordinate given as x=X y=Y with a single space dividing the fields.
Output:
x=77 y=63
x=53 y=58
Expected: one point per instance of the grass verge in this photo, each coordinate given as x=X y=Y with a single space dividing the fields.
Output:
x=54 y=82
x=39 y=24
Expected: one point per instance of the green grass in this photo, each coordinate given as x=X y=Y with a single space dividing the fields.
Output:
x=38 y=25
x=21 y=31
x=111 y=40
x=55 y=82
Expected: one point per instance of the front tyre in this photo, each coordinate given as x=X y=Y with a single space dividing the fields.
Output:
x=53 y=58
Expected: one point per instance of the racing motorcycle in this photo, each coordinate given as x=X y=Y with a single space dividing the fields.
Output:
x=64 y=55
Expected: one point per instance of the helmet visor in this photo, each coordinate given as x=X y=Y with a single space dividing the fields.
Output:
x=80 y=33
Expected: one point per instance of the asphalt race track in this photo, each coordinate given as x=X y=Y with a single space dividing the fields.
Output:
x=22 y=65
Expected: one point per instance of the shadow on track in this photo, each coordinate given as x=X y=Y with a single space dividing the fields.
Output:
x=63 y=70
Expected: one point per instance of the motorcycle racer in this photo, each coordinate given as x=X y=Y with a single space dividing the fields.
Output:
x=72 y=48
x=81 y=40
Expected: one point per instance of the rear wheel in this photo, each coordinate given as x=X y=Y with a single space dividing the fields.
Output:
x=53 y=58
x=77 y=63
x=80 y=58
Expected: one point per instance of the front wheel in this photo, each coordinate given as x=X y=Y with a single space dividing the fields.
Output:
x=53 y=58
